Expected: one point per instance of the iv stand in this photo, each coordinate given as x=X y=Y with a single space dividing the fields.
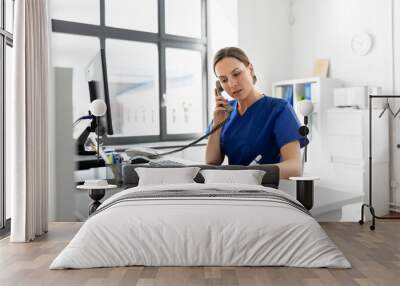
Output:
x=369 y=205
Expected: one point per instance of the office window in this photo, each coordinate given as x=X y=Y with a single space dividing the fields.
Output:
x=156 y=64
x=132 y=14
x=74 y=52
x=9 y=13
x=133 y=86
x=81 y=11
x=183 y=96
x=183 y=18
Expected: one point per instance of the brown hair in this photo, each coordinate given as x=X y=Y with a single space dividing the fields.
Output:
x=233 y=52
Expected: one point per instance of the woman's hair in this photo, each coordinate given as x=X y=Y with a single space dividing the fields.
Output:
x=233 y=52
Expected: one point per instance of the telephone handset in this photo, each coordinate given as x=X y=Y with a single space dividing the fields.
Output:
x=220 y=89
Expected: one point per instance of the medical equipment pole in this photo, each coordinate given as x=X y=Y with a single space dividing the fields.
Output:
x=369 y=205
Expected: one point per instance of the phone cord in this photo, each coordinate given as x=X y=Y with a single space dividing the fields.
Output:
x=218 y=126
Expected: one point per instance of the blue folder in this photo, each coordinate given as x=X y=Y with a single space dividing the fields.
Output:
x=307 y=91
x=289 y=94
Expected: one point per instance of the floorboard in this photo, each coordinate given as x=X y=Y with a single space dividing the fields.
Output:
x=374 y=255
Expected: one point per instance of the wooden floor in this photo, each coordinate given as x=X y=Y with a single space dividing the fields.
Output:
x=374 y=255
x=393 y=214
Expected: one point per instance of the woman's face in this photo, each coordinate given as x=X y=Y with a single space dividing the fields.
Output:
x=235 y=77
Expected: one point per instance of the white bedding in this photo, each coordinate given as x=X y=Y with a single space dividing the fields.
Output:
x=200 y=231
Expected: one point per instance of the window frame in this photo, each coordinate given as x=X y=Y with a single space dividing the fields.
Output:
x=6 y=39
x=163 y=41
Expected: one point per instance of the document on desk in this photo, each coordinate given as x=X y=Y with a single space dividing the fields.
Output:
x=141 y=151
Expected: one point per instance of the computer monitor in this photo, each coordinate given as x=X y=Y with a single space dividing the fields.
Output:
x=96 y=75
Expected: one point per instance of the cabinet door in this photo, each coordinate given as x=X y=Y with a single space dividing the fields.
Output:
x=345 y=122
x=348 y=178
x=345 y=136
x=347 y=147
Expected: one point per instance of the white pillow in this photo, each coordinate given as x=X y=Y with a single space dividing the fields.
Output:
x=165 y=176
x=248 y=177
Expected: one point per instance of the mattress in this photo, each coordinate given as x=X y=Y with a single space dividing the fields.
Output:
x=201 y=225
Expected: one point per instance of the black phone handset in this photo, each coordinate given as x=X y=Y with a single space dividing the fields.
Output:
x=229 y=109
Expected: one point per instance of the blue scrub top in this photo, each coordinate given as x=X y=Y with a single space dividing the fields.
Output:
x=267 y=125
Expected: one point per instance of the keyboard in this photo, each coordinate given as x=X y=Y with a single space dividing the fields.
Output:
x=165 y=163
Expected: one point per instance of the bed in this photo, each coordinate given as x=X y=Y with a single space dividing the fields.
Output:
x=201 y=224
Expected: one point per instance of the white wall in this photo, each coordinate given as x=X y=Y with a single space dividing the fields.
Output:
x=323 y=29
x=222 y=31
x=63 y=187
x=265 y=35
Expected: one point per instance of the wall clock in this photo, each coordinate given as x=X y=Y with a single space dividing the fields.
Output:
x=361 y=44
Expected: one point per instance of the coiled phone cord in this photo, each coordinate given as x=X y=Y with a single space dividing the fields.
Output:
x=218 y=126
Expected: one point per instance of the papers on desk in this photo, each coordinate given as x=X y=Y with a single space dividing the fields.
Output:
x=92 y=142
x=141 y=151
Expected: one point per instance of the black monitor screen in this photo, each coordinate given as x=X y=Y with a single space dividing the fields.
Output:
x=96 y=75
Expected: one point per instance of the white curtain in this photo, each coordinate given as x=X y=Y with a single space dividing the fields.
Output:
x=28 y=123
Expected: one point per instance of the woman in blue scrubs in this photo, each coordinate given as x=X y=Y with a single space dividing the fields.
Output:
x=258 y=126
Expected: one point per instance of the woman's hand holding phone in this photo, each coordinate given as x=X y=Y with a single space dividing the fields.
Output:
x=222 y=108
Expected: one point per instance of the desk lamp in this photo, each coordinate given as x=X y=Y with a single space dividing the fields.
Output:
x=305 y=107
x=97 y=109
x=305 y=184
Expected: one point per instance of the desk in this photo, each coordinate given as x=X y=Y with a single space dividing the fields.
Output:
x=84 y=162
x=90 y=161
x=193 y=155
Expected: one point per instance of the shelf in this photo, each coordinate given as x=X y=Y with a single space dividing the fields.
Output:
x=298 y=81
